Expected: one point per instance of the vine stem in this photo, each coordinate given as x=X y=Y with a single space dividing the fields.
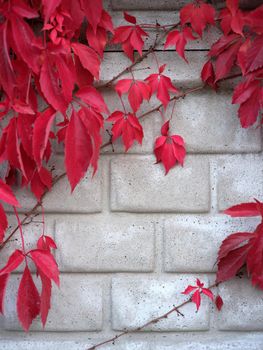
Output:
x=149 y=323
x=58 y=178
x=139 y=58
x=20 y=230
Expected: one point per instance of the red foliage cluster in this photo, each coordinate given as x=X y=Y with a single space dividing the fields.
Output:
x=52 y=51
x=243 y=248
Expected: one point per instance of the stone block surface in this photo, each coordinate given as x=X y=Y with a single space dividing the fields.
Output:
x=243 y=305
x=139 y=185
x=240 y=179
x=137 y=300
x=105 y=244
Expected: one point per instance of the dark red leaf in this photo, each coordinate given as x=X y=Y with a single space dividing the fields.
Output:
x=41 y=131
x=28 y=300
x=78 y=150
x=88 y=58
x=219 y=302
x=45 y=297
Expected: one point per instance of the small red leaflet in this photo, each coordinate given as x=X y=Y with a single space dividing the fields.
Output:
x=196 y=292
x=127 y=126
x=130 y=37
x=161 y=84
x=137 y=91
x=198 y=14
x=169 y=149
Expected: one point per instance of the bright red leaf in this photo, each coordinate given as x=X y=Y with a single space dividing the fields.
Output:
x=169 y=149
x=162 y=85
x=126 y=126
x=137 y=91
x=78 y=150
x=179 y=39
x=3 y=285
x=46 y=263
x=15 y=259
x=198 y=14
x=130 y=37
x=196 y=292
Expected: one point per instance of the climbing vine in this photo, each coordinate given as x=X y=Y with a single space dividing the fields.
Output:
x=52 y=51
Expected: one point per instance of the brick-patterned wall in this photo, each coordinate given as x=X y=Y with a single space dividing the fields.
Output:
x=131 y=239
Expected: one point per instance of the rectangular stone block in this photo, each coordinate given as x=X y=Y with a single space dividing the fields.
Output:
x=86 y=197
x=243 y=305
x=139 y=185
x=240 y=179
x=191 y=243
x=138 y=300
x=207 y=121
x=105 y=244
x=145 y=5
x=76 y=305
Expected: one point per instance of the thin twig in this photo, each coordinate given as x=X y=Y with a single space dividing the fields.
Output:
x=138 y=59
x=149 y=323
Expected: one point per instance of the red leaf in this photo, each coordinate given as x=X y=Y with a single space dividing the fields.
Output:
x=49 y=8
x=255 y=258
x=78 y=150
x=163 y=85
x=189 y=289
x=137 y=91
x=179 y=39
x=3 y=223
x=129 y=18
x=198 y=14
x=255 y=55
x=41 y=133
x=196 y=298
x=25 y=43
x=28 y=300
x=6 y=194
x=7 y=75
x=93 y=11
x=219 y=302
x=88 y=58
x=127 y=126
x=130 y=37
x=232 y=242
x=45 y=297
x=226 y=60
x=208 y=293
x=230 y=264
x=46 y=263
x=45 y=243
x=15 y=259
x=3 y=284
x=208 y=74
x=50 y=87
x=169 y=150
x=93 y=98
x=244 y=209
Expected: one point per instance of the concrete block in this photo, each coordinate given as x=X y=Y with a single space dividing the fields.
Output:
x=139 y=185
x=105 y=244
x=239 y=180
x=138 y=300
